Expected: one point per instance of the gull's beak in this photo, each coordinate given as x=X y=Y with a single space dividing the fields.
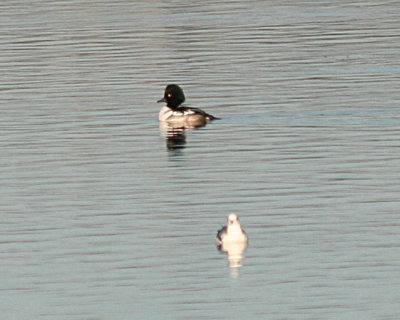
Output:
x=162 y=100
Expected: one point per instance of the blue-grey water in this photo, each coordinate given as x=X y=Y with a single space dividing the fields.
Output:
x=105 y=217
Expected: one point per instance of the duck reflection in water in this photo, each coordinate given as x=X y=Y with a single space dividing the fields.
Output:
x=232 y=240
x=175 y=136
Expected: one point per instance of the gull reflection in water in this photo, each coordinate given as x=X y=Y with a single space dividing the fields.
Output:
x=234 y=252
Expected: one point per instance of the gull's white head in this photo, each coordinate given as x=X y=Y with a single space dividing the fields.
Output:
x=233 y=219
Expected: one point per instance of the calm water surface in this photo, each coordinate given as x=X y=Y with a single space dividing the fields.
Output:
x=105 y=217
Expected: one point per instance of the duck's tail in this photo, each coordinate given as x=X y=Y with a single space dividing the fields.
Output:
x=211 y=117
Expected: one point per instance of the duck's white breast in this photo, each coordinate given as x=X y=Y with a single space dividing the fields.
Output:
x=165 y=113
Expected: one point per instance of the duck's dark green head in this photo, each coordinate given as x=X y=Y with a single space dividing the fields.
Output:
x=173 y=96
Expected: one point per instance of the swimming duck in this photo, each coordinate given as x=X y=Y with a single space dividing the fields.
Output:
x=175 y=113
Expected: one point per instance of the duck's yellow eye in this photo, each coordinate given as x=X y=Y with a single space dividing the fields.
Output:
x=169 y=95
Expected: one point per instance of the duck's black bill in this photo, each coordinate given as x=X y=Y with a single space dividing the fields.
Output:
x=162 y=100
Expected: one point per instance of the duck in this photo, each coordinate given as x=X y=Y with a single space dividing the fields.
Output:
x=232 y=232
x=174 y=113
